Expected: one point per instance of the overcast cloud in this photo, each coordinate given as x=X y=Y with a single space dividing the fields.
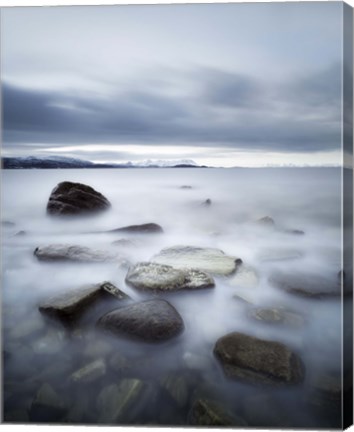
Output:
x=212 y=81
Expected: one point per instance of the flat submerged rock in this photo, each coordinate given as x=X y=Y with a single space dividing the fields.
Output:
x=205 y=412
x=148 y=228
x=279 y=254
x=71 y=304
x=245 y=276
x=258 y=361
x=210 y=260
x=149 y=321
x=151 y=276
x=308 y=285
x=75 y=253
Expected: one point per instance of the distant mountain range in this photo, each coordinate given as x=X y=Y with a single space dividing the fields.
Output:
x=35 y=162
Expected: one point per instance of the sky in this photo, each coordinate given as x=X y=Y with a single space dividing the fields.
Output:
x=248 y=84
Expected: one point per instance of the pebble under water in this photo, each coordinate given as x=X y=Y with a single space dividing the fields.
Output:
x=285 y=226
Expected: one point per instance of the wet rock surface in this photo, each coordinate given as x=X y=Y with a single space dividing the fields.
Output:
x=279 y=254
x=261 y=409
x=210 y=260
x=151 y=276
x=116 y=402
x=245 y=276
x=306 y=284
x=73 y=199
x=150 y=321
x=326 y=392
x=47 y=405
x=277 y=315
x=250 y=359
x=71 y=304
x=90 y=372
x=148 y=228
x=266 y=221
x=75 y=253
x=176 y=386
x=116 y=374
x=209 y=413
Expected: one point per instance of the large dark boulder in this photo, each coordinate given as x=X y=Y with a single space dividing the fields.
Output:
x=154 y=277
x=72 y=199
x=150 y=321
x=258 y=361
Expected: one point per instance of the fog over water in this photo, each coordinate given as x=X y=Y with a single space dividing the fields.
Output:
x=301 y=199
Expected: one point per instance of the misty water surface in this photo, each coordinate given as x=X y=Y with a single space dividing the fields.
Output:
x=297 y=199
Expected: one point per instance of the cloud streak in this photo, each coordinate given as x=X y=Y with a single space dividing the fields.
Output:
x=223 y=108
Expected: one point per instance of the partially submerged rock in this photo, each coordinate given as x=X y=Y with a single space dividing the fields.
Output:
x=209 y=413
x=307 y=284
x=244 y=298
x=294 y=231
x=269 y=222
x=266 y=221
x=258 y=361
x=73 y=199
x=147 y=228
x=262 y=410
x=32 y=325
x=115 y=402
x=279 y=254
x=70 y=304
x=277 y=316
x=6 y=223
x=47 y=405
x=207 y=203
x=151 y=276
x=177 y=387
x=150 y=321
x=210 y=260
x=124 y=243
x=52 y=342
x=114 y=291
x=325 y=392
x=245 y=276
x=90 y=372
x=75 y=253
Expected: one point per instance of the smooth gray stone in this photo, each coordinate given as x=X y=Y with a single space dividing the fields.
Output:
x=149 y=321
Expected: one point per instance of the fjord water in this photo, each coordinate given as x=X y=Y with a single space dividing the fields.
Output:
x=38 y=351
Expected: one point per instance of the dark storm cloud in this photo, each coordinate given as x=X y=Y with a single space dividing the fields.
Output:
x=231 y=89
x=230 y=109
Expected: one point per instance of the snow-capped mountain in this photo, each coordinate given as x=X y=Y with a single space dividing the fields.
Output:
x=149 y=163
x=44 y=162
x=48 y=162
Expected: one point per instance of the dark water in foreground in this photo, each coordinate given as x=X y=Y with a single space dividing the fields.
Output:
x=166 y=380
